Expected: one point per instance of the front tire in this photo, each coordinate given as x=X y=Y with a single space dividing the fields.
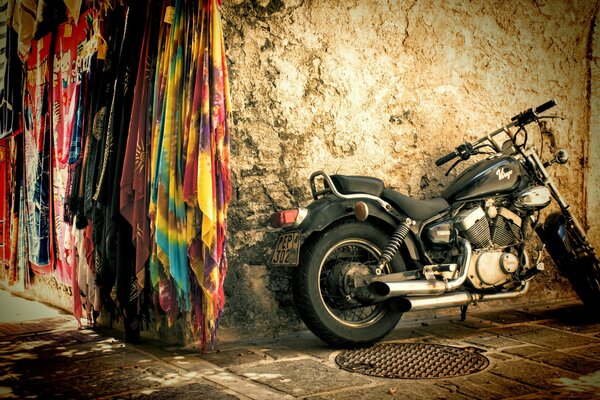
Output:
x=586 y=282
x=581 y=268
x=327 y=307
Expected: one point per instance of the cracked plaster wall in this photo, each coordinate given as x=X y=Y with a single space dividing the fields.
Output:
x=383 y=88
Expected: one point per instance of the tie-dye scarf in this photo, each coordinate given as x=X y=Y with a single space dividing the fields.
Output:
x=190 y=179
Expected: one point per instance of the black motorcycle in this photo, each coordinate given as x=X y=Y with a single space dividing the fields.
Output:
x=366 y=254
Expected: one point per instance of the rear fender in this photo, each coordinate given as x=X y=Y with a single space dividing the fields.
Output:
x=329 y=209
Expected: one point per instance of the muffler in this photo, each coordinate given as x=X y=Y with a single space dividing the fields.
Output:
x=457 y=299
x=383 y=287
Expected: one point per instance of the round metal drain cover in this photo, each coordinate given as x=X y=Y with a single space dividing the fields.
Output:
x=412 y=361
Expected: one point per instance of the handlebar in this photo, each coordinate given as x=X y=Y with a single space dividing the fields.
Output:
x=545 y=107
x=530 y=115
x=443 y=160
x=463 y=151
x=526 y=117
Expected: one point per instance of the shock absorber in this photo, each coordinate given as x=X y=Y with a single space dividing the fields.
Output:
x=394 y=244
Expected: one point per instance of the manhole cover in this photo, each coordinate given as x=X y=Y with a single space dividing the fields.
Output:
x=412 y=361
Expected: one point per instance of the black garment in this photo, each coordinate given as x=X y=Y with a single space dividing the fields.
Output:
x=112 y=232
x=11 y=102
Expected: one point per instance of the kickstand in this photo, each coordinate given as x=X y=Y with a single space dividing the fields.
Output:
x=463 y=312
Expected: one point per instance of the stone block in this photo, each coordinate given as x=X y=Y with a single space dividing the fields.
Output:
x=301 y=377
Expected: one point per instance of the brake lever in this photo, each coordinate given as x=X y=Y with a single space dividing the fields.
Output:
x=551 y=117
x=453 y=166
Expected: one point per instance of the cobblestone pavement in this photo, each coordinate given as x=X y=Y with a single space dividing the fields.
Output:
x=544 y=351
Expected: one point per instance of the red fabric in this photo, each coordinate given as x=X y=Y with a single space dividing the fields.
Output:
x=4 y=204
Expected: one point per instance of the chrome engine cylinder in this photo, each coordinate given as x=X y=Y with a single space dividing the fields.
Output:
x=473 y=225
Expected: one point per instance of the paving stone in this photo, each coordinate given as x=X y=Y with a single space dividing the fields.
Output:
x=192 y=391
x=475 y=323
x=41 y=325
x=530 y=373
x=448 y=330
x=573 y=318
x=583 y=327
x=486 y=385
x=497 y=356
x=405 y=334
x=559 y=394
x=247 y=387
x=232 y=357
x=526 y=351
x=507 y=316
x=568 y=362
x=543 y=336
x=58 y=364
x=99 y=384
x=493 y=341
x=279 y=354
x=573 y=311
x=39 y=371
x=190 y=362
x=588 y=352
x=300 y=377
x=396 y=389
x=589 y=383
x=48 y=340
x=44 y=354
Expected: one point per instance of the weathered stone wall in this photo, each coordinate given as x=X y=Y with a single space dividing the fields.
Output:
x=593 y=177
x=383 y=88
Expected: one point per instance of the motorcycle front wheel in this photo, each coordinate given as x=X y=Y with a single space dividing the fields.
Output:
x=580 y=267
x=322 y=289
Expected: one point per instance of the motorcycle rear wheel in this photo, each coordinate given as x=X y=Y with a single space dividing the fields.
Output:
x=327 y=308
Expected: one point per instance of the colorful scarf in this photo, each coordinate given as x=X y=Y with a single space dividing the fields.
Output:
x=207 y=182
x=190 y=179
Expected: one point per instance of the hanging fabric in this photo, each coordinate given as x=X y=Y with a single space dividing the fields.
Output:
x=5 y=215
x=73 y=51
x=207 y=182
x=189 y=168
x=134 y=199
x=122 y=180
x=37 y=155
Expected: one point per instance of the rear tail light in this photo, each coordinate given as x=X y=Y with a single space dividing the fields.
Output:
x=288 y=218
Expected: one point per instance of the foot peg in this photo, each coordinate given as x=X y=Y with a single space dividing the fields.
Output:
x=531 y=272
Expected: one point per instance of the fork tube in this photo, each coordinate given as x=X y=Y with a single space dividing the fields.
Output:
x=534 y=159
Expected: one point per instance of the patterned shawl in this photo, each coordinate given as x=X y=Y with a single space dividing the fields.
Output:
x=190 y=178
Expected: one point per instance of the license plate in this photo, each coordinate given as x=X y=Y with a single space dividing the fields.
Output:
x=287 y=249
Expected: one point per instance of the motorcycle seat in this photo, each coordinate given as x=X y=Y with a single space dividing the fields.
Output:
x=347 y=184
x=413 y=208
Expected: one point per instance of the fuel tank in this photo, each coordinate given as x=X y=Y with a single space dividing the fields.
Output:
x=490 y=177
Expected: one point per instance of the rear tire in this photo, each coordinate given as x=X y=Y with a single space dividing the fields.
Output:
x=326 y=309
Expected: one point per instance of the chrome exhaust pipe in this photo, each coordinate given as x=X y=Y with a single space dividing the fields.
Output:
x=406 y=304
x=383 y=287
x=458 y=299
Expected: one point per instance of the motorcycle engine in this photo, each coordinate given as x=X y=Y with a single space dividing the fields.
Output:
x=492 y=268
x=491 y=232
x=498 y=227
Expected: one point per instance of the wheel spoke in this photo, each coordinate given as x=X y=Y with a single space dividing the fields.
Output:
x=331 y=278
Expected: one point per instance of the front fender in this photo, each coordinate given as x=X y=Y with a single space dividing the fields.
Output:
x=555 y=235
